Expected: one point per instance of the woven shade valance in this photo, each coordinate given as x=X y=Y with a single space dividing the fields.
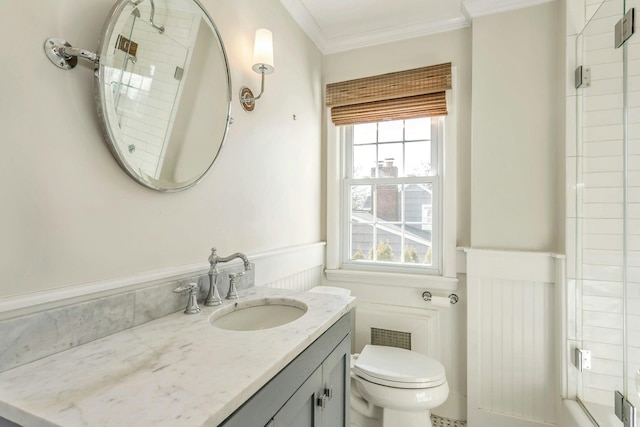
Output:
x=433 y=104
x=393 y=96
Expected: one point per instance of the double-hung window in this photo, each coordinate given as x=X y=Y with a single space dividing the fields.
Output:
x=387 y=186
x=392 y=195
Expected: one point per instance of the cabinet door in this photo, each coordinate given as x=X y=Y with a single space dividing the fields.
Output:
x=336 y=381
x=302 y=409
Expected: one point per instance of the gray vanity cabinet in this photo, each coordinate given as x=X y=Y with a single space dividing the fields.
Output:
x=302 y=409
x=312 y=391
x=320 y=401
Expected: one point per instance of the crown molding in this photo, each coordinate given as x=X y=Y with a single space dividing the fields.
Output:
x=387 y=35
x=476 y=8
x=393 y=34
x=308 y=24
x=470 y=9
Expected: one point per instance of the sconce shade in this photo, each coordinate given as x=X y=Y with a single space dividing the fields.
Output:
x=263 y=52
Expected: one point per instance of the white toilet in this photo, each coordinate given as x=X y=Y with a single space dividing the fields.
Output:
x=393 y=387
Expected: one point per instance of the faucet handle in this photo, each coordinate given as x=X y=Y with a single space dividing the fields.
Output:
x=233 y=292
x=192 y=302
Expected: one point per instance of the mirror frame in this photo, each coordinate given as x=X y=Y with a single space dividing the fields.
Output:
x=110 y=139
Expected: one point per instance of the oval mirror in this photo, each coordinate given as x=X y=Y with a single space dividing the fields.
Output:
x=163 y=91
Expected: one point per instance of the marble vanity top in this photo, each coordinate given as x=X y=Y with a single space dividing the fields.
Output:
x=174 y=371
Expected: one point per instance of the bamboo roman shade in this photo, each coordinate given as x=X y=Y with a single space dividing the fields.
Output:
x=402 y=95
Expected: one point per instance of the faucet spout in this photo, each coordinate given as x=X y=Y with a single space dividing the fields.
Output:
x=214 y=259
x=213 y=297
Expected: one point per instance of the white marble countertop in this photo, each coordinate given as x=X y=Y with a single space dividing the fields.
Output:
x=174 y=371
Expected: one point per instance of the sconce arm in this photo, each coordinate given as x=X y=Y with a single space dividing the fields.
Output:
x=247 y=100
x=261 y=88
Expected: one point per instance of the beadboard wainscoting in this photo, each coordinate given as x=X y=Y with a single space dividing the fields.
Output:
x=37 y=325
x=301 y=281
x=513 y=338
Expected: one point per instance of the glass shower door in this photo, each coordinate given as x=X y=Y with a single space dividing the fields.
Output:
x=608 y=215
x=600 y=213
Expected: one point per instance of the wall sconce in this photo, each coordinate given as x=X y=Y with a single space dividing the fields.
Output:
x=262 y=64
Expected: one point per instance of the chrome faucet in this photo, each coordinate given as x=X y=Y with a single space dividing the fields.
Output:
x=213 y=297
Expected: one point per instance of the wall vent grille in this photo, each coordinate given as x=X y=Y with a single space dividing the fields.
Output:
x=391 y=338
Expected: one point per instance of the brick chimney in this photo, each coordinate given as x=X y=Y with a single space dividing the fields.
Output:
x=388 y=195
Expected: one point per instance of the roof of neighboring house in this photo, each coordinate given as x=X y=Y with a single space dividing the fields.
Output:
x=417 y=236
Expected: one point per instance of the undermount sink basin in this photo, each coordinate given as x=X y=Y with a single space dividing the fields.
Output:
x=257 y=314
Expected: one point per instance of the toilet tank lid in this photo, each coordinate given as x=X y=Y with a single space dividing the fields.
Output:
x=392 y=364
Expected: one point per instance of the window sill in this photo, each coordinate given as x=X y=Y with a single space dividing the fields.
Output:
x=399 y=279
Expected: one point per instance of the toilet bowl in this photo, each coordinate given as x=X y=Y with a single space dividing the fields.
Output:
x=396 y=387
x=392 y=387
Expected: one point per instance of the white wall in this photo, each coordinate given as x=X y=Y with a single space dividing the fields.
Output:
x=517 y=111
x=70 y=215
x=517 y=207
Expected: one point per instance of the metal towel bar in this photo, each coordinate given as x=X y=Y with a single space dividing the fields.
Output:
x=426 y=295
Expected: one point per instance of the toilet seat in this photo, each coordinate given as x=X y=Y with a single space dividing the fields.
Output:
x=398 y=368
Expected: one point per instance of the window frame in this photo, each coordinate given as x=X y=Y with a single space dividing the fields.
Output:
x=335 y=273
x=434 y=178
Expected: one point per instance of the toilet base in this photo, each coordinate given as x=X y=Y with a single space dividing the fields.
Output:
x=392 y=419
x=359 y=420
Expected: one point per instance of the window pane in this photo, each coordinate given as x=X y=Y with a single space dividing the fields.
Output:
x=390 y=131
x=361 y=241
x=388 y=199
x=390 y=160
x=417 y=249
x=417 y=253
x=364 y=161
x=415 y=129
x=417 y=203
x=365 y=134
x=388 y=244
x=418 y=158
x=361 y=202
